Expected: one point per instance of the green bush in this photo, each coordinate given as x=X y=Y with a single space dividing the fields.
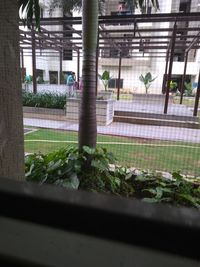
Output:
x=173 y=86
x=188 y=89
x=66 y=168
x=44 y=100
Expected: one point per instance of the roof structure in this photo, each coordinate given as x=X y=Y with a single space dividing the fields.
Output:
x=116 y=29
x=152 y=35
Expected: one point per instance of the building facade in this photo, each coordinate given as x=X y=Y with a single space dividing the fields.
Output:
x=134 y=62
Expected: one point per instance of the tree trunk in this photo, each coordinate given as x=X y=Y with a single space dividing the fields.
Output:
x=87 y=119
x=11 y=116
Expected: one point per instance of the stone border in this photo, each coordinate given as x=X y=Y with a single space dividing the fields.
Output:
x=47 y=111
x=104 y=109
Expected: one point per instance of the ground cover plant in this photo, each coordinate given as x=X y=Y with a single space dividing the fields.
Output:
x=66 y=168
x=44 y=100
x=130 y=152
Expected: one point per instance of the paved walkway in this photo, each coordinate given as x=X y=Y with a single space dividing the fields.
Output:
x=125 y=129
x=153 y=107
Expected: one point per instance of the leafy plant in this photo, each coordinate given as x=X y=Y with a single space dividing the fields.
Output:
x=105 y=77
x=147 y=80
x=177 y=191
x=188 y=89
x=173 y=86
x=66 y=168
x=40 y=80
x=44 y=100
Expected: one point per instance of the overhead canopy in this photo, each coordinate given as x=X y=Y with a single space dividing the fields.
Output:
x=142 y=35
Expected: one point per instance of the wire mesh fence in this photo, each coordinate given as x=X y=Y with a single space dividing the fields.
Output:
x=146 y=65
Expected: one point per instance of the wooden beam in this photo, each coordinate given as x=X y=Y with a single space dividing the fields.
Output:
x=34 y=62
x=183 y=77
x=119 y=76
x=196 y=104
x=170 y=68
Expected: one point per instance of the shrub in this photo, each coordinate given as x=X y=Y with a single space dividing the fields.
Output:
x=44 y=100
x=173 y=86
x=66 y=168
x=188 y=89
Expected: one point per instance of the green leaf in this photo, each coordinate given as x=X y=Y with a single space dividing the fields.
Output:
x=117 y=181
x=44 y=179
x=30 y=170
x=194 y=201
x=71 y=183
x=142 y=178
x=37 y=13
x=52 y=166
x=167 y=190
x=101 y=165
x=89 y=150
x=177 y=175
x=159 y=192
x=150 y=190
x=128 y=176
x=151 y=200
x=105 y=75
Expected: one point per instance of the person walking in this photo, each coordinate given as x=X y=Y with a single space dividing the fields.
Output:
x=70 y=85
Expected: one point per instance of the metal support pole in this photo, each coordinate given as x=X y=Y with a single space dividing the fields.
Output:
x=135 y=26
x=170 y=68
x=165 y=75
x=22 y=59
x=197 y=98
x=61 y=55
x=22 y=66
x=97 y=62
x=78 y=67
x=183 y=77
x=34 y=62
x=119 y=76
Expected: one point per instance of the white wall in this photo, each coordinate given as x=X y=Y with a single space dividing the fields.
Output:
x=131 y=68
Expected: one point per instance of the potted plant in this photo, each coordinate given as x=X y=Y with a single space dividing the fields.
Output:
x=147 y=80
x=105 y=78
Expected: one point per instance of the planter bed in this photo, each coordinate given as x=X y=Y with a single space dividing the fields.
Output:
x=44 y=113
x=151 y=98
x=47 y=111
x=105 y=110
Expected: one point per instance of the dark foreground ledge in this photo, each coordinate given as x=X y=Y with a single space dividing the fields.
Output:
x=160 y=228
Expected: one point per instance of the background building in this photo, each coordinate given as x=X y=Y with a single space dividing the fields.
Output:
x=134 y=62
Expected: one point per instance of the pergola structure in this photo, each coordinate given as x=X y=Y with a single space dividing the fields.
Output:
x=182 y=34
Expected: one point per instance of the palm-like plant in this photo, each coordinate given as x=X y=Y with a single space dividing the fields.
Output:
x=147 y=80
x=71 y=5
x=105 y=77
x=142 y=4
x=32 y=8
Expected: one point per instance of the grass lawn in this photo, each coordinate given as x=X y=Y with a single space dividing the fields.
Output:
x=188 y=101
x=139 y=153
